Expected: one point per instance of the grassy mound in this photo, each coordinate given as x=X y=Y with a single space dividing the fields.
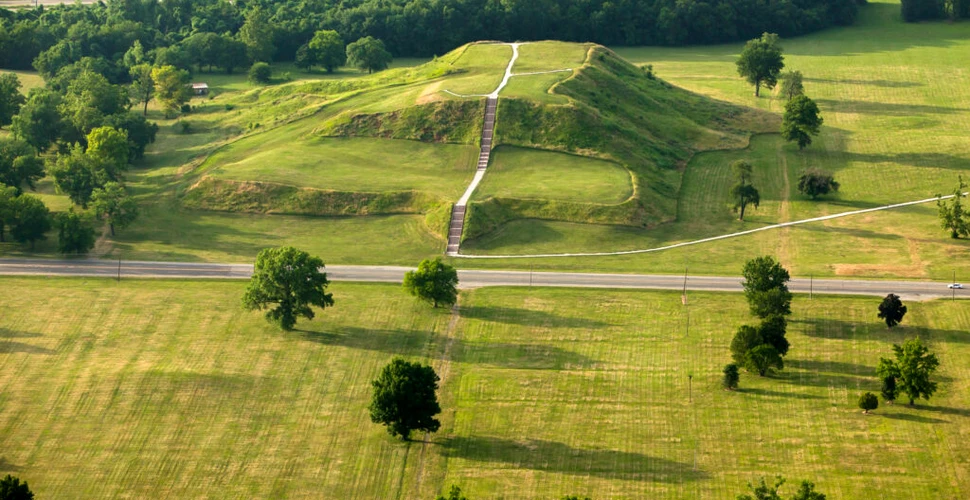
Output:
x=615 y=111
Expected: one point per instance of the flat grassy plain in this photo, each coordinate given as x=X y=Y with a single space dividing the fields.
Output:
x=167 y=388
x=531 y=173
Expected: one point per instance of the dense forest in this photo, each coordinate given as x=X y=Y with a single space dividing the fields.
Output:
x=407 y=27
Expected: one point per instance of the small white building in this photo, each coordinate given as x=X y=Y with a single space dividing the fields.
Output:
x=200 y=88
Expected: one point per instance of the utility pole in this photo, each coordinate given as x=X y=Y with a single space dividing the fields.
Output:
x=953 y=289
x=811 y=286
x=530 y=275
x=685 y=285
x=119 y=269
x=690 y=378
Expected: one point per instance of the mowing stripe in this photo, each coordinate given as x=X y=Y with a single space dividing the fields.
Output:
x=714 y=238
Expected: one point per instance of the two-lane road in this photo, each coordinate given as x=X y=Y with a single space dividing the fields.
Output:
x=469 y=278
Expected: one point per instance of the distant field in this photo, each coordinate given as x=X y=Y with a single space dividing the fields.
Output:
x=529 y=173
x=108 y=383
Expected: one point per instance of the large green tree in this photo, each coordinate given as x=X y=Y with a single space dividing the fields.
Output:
x=328 y=50
x=801 y=121
x=108 y=148
x=257 y=34
x=912 y=368
x=89 y=99
x=743 y=192
x=404 y=398
x=434 y=282
x=31 y=220
x=953 y=217
x=761 y=62
x=142 y=86
x=20 y=166
x=287 y=282
x=11 y=99
x=369 y=54
x=39 y=122
x=12 y=488
x=766 y=287
x=75 y=174
x=791 y=84
x=74 y=235
x=171 y=88
x=113 y=204
x=892 y=310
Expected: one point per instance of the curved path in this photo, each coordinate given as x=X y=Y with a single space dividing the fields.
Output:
x=469 y=279
x=713 y=238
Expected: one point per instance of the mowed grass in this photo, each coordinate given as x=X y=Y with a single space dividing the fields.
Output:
x=352 y=164
x=107 y=383
x=530 y=173
x=539 y=57
x=482 y=67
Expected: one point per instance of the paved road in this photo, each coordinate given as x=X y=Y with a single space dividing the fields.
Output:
x=470 y=278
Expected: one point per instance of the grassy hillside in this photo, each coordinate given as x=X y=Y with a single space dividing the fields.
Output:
x=107 y=383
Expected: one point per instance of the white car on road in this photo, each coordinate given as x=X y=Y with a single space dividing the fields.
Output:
x=955 y=286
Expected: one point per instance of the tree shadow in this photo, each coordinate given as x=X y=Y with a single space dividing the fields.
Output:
x=7 y=333
x=945 y=410
x=873 y=83
x=886 y=109
x=6 y=466
x=414 y=343
x=837 y=329
x=550 y=456
x=10 y=347
x=909 y=417
x=528 y=317
x=851 y=232
x=775 y=394
x=927 y=160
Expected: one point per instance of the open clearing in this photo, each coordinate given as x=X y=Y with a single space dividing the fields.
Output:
x=530 y=173
x=108 y=383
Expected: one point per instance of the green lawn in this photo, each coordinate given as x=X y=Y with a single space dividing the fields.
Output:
x=355 y=164
x=482 y=65
x=107 y=384
x=531 y=173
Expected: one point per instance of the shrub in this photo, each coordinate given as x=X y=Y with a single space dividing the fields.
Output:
x=868 y=401
x=731 y=376
x=260 y=73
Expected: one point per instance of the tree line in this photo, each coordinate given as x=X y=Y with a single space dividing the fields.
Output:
x=409 y=27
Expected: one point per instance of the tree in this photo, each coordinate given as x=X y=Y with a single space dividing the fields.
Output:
x=73 y=235
x=814 y=183
x=89 y=99
x=12 y=489
x=75 y=175
x=11 y=99
x=791 y=84
x=953 y=217
x=8 y=200
x=801 y=121
x=913 y=367
x=328 y=50
x=171 y=88
x=761 y=62
x=745 y=339
x=453 y=494
x=772 y=331
x=140 y=132
x=257 y=34
x=765 y=287
x=743 y=192
x=868 y=401
x=39 y=121
x=368 y=53
x=763 y=358
x=108 y=149
x=19 y=164
x=142 y=87
x=404 y=398
x=135 y=55
x=113 y=204
x=260 y=73
x=892 y=310
x=806 y=491
x=291 y=279
x=434 y=282
x=31 y=220
x=232 y=53
x=888 y=389
x=763 y=491
x=305 y=58
x=731 y=376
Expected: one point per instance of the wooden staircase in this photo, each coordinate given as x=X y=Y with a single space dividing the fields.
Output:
x=457 y=224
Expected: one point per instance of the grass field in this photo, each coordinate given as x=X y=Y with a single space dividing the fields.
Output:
x=165 y=388
x=529 y=173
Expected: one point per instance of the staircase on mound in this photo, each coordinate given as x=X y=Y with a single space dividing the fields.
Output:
x=458 y=211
